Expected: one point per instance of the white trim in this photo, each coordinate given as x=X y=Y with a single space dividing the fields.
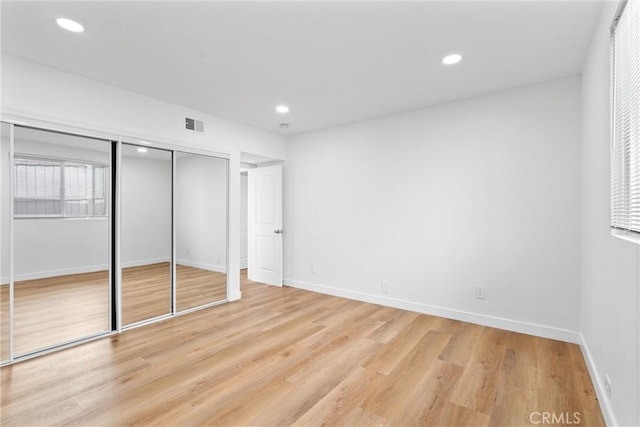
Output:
x=28 y=119
x=143 y=262
x=202 y=265
x=11 y=243
x=70 y=344
x=201 y=307
x=109 y=205
x=244 y=263
x=117 y=188
x=174 y=292
x=234 y=297
x=465 y=316
x=228 y=262
x=603 y=399
x=60 y=272
x=168 y=146
x=147 y=321
x=629 y=236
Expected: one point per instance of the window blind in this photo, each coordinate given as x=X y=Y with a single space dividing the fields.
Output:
x=37 y=187
x=625 y=97
x=58 y=188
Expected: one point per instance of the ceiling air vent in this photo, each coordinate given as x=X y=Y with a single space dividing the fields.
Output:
x=194 y=125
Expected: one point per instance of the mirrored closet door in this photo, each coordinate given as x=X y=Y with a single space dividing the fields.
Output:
x=5 y=221
x=200 y=193
x=76 y=266
x=145 y=230
x=62 y=238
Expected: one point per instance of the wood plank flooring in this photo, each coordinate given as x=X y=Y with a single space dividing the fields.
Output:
x=60 y=309
x=146 y=290
x=283 y=356
x=196 y=287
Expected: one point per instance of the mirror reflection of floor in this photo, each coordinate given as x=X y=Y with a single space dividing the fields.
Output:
x=4 y=321
x=196 y=286
x=59 y=309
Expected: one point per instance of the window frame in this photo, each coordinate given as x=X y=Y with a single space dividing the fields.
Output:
x=63 y=162
x=624 y=169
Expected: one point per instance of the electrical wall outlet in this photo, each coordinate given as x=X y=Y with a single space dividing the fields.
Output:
x=384 y=287
x=481 y=292
x=607 y=385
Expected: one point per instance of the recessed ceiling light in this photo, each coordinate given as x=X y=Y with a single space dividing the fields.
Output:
x=70 y=25
x=282 y=109
x=142 y=150
x=454 y=58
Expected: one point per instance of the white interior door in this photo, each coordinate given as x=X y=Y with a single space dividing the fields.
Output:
x=265 y=225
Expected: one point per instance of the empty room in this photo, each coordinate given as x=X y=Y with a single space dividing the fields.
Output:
x=320 y=213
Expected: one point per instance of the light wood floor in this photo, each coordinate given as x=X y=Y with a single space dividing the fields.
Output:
x=283 y=356
x=56 y=310
x=146 y=290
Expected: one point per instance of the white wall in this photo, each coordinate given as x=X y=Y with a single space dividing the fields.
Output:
x=146 y=209
x=45 y=93
x=54 y=247
x=201 y=212
x=42 y=93
x=610 y=266
x=436 y=201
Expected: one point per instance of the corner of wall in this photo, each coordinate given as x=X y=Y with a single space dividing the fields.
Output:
x=605 y=404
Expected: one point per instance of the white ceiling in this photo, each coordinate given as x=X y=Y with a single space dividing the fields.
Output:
x=331 y=62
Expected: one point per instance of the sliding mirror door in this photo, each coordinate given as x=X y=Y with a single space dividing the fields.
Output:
x=58 y=247
x=201 y=230
x=61 y=250
x=146 y=229
x=5 y=224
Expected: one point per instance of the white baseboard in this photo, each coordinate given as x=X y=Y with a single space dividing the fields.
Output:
x=603 y=399
x=235 y=296
x=93 y=268
x=60 y=272
x=80 y=270
x=143 y=262
x=244 y=263
x=480 y=319
x=202 y=265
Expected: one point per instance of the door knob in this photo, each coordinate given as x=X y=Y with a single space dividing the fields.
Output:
x=278 y=231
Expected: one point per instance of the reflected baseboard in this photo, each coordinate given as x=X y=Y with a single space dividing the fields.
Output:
x=203 y=266
x=102 y=267
x=143 y=262
x=81 y=270
x=60 y=272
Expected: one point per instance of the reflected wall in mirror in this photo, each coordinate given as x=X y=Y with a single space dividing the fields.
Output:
x=201 y=230
x=5 y=221
x=146 y=233
x=61 y=187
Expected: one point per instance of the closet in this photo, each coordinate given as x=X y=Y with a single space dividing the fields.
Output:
x=104 y=233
